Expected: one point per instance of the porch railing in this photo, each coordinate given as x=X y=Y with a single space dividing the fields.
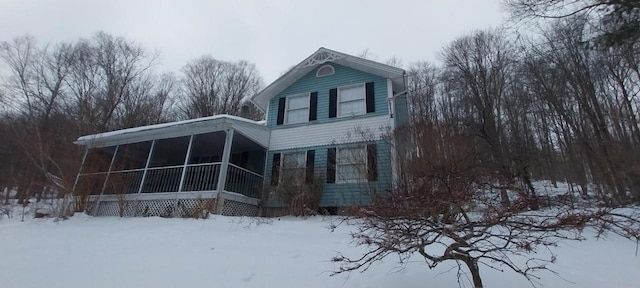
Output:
x=198 y=177
x=243 y=181
x=124 y=182
x=201 y=177
x=162 y=179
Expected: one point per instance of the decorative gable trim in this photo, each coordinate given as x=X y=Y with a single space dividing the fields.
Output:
x=321 y=57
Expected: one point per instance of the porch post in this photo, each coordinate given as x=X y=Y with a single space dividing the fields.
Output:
x=222 y=178
x=84 y=159
x=146 y=166
x=106 y=178
x=184 y=173
x=65 y=202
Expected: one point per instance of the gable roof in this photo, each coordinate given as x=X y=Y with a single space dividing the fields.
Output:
x=320 y=57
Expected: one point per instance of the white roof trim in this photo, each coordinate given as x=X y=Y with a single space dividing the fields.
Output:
x=320 y=57
x=176 y=129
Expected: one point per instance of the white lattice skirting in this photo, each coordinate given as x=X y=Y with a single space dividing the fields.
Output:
x=164 y=206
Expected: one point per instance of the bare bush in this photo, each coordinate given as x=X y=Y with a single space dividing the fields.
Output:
x=447 y=212
x=301 y=197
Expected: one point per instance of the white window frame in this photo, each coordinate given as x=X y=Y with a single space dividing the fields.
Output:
x=364 y=100
x=333 y=71
x=286 y=107
x=340 y=163
x=301 y=166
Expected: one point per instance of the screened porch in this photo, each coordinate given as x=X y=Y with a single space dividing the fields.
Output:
x=174 y=168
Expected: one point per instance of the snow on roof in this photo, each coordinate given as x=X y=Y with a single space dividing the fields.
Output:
x=104 y=135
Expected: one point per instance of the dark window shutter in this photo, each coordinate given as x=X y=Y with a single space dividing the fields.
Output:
x=281 y=103
x=333 y=103
x=313 y=106
x=331 y=165
x=371 y=100
x=275 y=170
x=372 y=167
x=311 y=159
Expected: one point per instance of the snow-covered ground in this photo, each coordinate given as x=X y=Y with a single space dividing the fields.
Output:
x=244 y=252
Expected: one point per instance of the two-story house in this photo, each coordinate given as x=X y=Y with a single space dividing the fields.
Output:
x=327 y=122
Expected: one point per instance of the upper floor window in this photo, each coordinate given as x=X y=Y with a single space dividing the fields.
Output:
x=297 y=109
x=351 y=100
x=325 y=70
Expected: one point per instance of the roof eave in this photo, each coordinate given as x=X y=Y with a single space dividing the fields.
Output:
x=140 y=134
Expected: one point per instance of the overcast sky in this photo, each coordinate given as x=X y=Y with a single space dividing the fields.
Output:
x=274 y=35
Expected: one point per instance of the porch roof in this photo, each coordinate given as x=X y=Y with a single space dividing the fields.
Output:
x=254 y=130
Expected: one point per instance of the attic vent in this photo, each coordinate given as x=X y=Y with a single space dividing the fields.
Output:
x=325 y=70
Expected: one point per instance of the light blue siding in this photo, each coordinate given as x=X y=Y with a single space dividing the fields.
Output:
x=343 y=76
x=343 y=194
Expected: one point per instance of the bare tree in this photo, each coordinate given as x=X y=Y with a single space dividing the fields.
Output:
x=147 y=101
x=616 y=21
x=445 y=214
x=477 y=67
x=572 y=82
x=35 y=85
x=211 y=86
x=61 y=91
x=423 y=80
x=108 y=71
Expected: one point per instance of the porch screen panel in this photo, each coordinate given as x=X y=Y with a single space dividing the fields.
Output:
x=165 y=168
x=98 y=160
x=132 y=156
x=128 y=168
x=95 y=170
x=203 y=170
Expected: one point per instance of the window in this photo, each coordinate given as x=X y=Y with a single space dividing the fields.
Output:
x=293 y=167
x=297 y=110
x=351 y=100
x=351 y=164
x=325 y=70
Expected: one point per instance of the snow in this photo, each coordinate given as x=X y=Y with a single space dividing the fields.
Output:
x=87 y=251
x=94 y=137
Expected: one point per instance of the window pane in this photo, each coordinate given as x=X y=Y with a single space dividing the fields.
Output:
x=297 y=116
x=351 y=93
x=351 y=155
x=351 y=172
x=298 y=102
x=352 y=164
x=293 y=167
x=294 y=160
x=352 y=107
x=297 y=109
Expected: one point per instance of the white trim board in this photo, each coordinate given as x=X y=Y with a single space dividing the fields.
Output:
x=337 y=132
